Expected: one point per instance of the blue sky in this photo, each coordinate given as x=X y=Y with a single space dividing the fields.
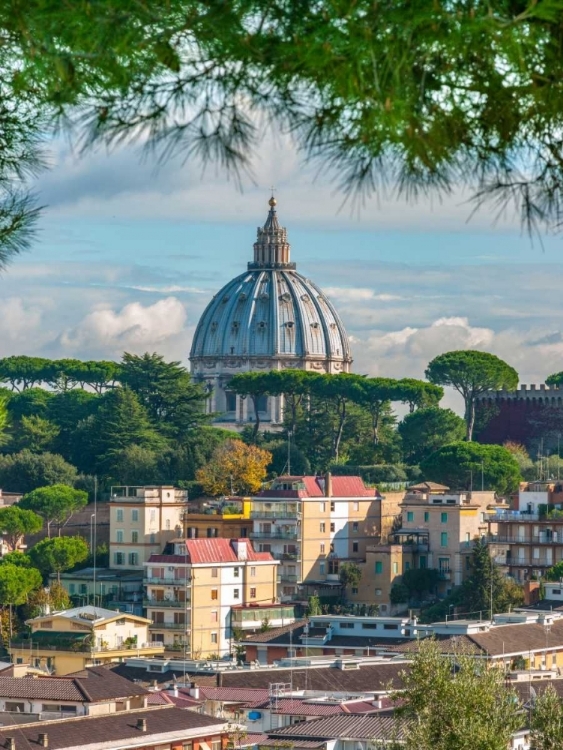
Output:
x=128 y=256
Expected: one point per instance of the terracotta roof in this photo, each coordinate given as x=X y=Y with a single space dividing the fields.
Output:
x=215 y=550
x=370 y=678
x=90 y=685
x=110 y=729
x=349 y=727
x=304 y=707
x=428 y=486
x=273 y=635
x=341 y=487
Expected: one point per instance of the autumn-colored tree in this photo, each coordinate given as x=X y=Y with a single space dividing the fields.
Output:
x=234 y=468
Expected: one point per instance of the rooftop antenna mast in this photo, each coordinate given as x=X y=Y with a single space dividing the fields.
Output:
x=95 y=536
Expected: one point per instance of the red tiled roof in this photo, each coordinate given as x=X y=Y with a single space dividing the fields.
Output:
x=201 y=551
x=341 y=487
x=304 y=707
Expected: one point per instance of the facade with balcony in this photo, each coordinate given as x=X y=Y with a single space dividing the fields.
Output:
x=193 y=589
x=529 y=541
x=229 y=519
x=312 y=525
x=437 y=530
x=71 y=640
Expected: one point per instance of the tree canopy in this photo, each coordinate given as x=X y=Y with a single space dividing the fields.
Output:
x=389 y=96
x=16 y=522
x=234 y=468
x=24 y=471
x=465 y=466
x=471 y=373
x=425 y=430
x=58 y=554
x=56 y=503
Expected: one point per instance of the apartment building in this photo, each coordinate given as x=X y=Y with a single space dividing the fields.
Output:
x=142 y=521
x=229 y=519
x=314 y=524
x=528 y=539
x=73 y=639
x=438 y=530
x=194 y=590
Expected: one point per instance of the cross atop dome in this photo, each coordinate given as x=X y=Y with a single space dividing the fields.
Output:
x=271 y=249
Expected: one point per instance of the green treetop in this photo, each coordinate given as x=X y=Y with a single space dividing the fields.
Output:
x=55 y=504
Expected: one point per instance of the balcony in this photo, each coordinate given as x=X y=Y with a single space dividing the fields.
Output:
x=166 y=603
x=273 y=534
x=292 y=556
x=170 y=581
x=509 y=516
x=181 y=626
x=556 y=538
x=530 y=562
x=278 y=512
x=289 y=577
x=444 y=575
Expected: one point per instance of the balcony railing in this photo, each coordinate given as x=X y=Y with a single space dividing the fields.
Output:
x=273 y=534
x=274 y=514
x=530 y=562
x=166 y=603
x=290 y=577
x=514 y=515
x=293 y=556
x=170 y=626
x=170 y=581
x=557 y=538
x=81 y=647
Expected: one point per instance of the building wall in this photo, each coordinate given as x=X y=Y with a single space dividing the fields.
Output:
x=141 y=524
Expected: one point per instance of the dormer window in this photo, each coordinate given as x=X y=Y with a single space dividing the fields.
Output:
x=235 y=326
x=290 y=324
x=314 y=325
x=262 y=325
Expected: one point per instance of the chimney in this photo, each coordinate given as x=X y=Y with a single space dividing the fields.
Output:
x=44 y=739
x=142 y=725
x=194 y=691
x=219 y=679
x=11 y=743
x=328 y=484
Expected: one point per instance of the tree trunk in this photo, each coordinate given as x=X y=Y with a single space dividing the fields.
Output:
x=339 y=431
x=470 y=419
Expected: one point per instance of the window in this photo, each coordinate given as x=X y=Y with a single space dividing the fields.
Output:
x=556 y=592
x=119 y=536
x=83 y=589
x=153 y=515
x=389 y=626
x=332 y=506
x=395 y=568
x=444 y=539
x=214 y=615
x=354 y=590
x=407 y=565
x=426 y=516
x=236 y=594
x=179 y=618
x=354 y=546
x=214 y=594
x=214 y=638
x=410 y=515
x=133 y=558
x=135 y=515
x=186 y=746
x=356 y=506
x=212 y=533
x=369 y=625
x=355 y=527
x=71 y=588
x=215 y=744
x=253 y=593
x=214 y=572
x=237 y=572
x=15 y=707
x=119 y=514
x=322 y=528
x=118 y=558
x=322 y=548
x=333 y=567
x=153 y=538
x=322 y=507
x=379 y=567
x=253 y=572
x=322 y=568
x=444 y=517
x=135 y=537
x=333 y=527
x=422 y=564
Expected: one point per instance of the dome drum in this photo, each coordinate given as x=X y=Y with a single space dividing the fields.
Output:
x=268 y=318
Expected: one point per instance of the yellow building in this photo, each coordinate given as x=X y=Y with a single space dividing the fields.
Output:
x=314 y=525
x=70 y=640
x=438 y=530
x=142 y=520
x=192 y=593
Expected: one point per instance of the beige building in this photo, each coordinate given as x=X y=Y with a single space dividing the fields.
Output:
x=315 y=524
x=192 y=593
x=142 y=521
x=206 y=521
x=73 y=639
x=438 y=530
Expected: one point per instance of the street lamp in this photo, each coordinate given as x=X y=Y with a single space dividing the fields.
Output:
x=92 y=550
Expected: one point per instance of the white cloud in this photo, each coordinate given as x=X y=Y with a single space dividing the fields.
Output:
x=134 y=328
x=20 y=322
